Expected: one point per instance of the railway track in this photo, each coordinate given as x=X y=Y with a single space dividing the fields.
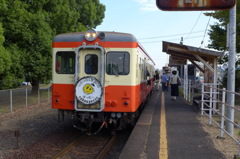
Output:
x=87 y=147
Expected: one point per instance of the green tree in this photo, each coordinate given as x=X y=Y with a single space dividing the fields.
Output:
x=237 y=78
x=30 y=25
x=218 y=31
x=218 y=38
x=5 y=61
x=31 y=35
x=11 y=72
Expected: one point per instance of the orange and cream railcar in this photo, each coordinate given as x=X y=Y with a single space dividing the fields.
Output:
x=100 y=76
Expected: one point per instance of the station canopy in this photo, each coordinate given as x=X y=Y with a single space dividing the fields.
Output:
x=179 y=54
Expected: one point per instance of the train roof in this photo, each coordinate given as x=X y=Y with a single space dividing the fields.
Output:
x=109 y=36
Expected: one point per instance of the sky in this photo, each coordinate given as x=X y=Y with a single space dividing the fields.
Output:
x=151 y=26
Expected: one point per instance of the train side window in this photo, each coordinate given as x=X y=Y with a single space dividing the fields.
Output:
x=91 y=64
x=118 y=63
x=65 y=62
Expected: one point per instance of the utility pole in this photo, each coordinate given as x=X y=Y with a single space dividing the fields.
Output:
x=231 y=69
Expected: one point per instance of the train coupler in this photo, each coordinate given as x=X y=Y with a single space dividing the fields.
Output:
x=104 y=123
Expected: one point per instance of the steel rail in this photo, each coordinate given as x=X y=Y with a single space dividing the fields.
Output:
x=100 y=155
x=107 y=147
x=69 y=147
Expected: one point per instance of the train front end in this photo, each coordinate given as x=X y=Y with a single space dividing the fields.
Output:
x=95 y=78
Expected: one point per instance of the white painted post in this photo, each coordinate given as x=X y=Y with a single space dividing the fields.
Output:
x=202 y=103
x=215 y=74
x=185 y=81
x=231 y=69
x=38 y=96
x=48 y=94
x=186 y=90
x=189 y=91
x=186 y=70
x=184 y=87
x=193 y=87
x=223 y=112
x=26 y=97
x=11 y=106
x=210 y=106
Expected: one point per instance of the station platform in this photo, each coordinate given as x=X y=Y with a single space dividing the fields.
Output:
x=169 y=129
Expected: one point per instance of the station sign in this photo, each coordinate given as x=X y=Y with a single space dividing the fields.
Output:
x=174 y=61
x=194 y=5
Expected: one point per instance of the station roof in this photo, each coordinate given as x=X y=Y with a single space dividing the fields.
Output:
x=181 y=51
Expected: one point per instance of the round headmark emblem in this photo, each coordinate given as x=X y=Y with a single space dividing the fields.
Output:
x=88 y=90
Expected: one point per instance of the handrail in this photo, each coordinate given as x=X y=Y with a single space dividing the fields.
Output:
x=211 y=100
x=212 y=95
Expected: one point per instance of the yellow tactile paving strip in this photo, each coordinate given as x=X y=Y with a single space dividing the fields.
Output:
x=163 y=152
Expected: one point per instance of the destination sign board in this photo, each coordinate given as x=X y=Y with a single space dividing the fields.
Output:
x=174 y=61
x=194 y=5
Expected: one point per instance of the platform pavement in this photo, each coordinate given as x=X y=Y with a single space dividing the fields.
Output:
x=186 y=139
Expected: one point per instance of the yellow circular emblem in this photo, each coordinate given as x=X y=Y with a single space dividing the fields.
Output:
x=88 y=89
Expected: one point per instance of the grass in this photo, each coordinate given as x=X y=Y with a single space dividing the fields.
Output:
x=4 y=110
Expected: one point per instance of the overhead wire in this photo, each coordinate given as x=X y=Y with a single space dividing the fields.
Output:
x=169 y=40
x=188 y=34
x=194 y=25
x=168 y=35
x=205 y=31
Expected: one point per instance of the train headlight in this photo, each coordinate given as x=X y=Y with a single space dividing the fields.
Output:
x=91 y=35
x=87 y=35
x=94 y=35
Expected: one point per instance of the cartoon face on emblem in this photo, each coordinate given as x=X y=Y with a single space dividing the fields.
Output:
x=88 y=89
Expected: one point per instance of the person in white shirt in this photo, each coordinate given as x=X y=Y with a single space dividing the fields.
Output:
x=174 y=82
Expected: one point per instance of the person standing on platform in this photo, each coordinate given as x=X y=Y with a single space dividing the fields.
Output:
x=174 y=82
x=164 y=81
x=167 y=83
x=156 y=78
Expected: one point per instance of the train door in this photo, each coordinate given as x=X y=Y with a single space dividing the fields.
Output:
x=89 y=63
x=89 y=79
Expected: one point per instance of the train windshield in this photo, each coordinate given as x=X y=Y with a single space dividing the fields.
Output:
x=65 y=62
x=117 y=63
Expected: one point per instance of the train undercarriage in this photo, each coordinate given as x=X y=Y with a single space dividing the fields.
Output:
x=93 y=122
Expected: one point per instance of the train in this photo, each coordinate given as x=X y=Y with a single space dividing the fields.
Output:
x=100 y=77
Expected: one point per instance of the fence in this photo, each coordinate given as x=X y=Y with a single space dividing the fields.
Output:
x=191 y=89
x=211 y=95
x=15 y=99
x=213 y=105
